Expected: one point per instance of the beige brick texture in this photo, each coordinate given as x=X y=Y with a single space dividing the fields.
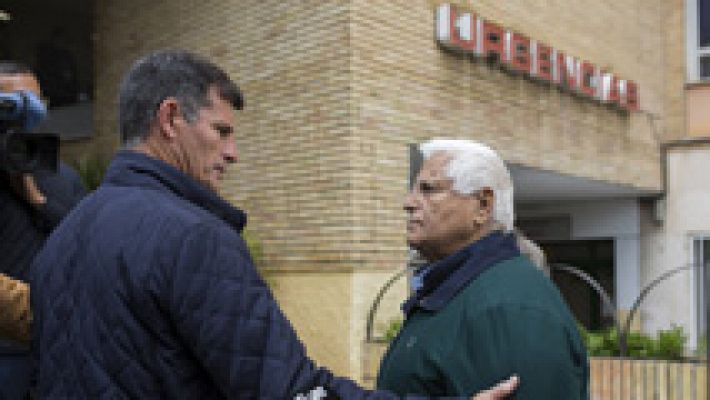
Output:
x=406 y=89
x=673 y=124
x=295 y=173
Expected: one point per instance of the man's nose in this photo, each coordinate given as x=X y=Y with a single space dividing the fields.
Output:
x=410 y=202
x=230 y=153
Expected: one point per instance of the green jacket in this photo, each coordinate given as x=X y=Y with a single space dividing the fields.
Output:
x=509 y=319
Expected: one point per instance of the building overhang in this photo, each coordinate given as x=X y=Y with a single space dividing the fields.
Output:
x=533 y=184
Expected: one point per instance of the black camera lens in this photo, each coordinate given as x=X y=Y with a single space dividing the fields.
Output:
x=7 y=109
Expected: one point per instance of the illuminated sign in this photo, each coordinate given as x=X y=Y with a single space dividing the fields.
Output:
x=466 y=31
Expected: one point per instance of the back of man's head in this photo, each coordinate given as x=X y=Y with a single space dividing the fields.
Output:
x=184 y=76
x=14 y=68
x=474 y=166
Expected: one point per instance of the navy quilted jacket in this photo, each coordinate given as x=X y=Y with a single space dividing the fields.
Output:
x=146 y=290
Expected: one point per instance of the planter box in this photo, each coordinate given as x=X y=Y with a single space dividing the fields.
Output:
x=631 y=379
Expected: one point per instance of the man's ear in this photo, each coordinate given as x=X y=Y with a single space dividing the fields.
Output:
x=168 y=114
x=486 y=200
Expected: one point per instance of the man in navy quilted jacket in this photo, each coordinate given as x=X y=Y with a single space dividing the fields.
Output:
x=146 y=290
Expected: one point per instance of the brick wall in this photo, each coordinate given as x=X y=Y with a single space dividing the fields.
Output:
x=291 y=60
x=674 y=124
x=406 y=89
x=295 y=176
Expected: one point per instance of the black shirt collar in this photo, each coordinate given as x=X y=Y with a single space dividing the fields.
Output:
x=448 y=276
x=130 y=168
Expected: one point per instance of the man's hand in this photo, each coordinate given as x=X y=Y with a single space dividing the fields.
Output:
x=15 y=315
x=26 y=187
x=499 y=391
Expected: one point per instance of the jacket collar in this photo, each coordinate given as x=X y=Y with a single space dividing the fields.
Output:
x=130 y=168
x=442 y=280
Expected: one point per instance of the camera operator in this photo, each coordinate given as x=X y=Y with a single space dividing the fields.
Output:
x=32 y=203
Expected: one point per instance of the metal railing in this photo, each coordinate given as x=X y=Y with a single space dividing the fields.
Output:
x=625 y=327
x=625 y=378
x=617 y=378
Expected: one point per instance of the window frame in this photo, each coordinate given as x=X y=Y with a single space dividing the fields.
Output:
x=698 y=242
x=693 y=50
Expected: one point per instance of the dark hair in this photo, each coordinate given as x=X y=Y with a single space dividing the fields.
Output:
x=14 y=67
x=169 y=73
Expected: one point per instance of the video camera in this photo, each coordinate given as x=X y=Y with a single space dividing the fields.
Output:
x=20 y=150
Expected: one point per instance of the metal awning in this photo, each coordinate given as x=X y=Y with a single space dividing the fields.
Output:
x=532 y=184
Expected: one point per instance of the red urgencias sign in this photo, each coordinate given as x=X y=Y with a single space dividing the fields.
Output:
x=466 y=31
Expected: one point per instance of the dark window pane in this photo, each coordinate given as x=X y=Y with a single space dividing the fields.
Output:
x=701 y=255
x=705 y=67
x=704 y=22
x=705 y=276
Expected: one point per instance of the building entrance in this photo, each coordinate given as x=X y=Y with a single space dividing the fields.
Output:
x=596 y=258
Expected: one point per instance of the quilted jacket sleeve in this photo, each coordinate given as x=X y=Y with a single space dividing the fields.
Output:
x=228 y=317
x=15 y=316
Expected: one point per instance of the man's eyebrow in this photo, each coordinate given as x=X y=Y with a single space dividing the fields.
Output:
x=432 y=180
x=223 y=127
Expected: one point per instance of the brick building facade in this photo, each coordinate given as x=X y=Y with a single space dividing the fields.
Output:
x=337 y=92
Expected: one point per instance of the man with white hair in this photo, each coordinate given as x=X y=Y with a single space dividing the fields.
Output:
x=480 y=310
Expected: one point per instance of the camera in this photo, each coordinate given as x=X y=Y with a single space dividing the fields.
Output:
x=22 y=151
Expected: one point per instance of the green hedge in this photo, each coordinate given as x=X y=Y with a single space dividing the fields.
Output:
x=392 y=329
x=91 y=169
x=667 y=344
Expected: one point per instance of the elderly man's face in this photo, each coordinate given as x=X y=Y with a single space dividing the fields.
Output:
x=207 y=145
x=441 y=221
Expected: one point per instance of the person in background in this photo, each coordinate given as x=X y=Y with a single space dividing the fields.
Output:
x=31 y=205
x=532 y=251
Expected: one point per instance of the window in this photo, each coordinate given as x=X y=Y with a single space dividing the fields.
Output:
x=698 y=39
x=701 y=261
x=703 y=23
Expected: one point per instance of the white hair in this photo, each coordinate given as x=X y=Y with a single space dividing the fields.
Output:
x=474 y=166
